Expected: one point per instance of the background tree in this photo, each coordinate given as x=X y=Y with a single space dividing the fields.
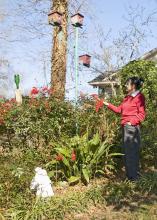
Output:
x=59 y=51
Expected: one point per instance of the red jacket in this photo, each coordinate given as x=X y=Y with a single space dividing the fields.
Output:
x=132 y=109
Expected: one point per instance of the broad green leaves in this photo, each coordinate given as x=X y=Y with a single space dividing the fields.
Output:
x=92 y=156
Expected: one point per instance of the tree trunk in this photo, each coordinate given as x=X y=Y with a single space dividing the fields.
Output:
x=59 y=50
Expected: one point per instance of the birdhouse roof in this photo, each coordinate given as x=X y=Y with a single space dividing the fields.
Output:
x=78 y=15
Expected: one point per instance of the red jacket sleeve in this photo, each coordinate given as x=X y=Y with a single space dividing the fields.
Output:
x=115 y=108
x=140 y=116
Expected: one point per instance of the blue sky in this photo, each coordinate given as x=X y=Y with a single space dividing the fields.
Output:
x=27 y=57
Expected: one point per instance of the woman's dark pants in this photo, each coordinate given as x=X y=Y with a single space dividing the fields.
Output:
x=131 y=150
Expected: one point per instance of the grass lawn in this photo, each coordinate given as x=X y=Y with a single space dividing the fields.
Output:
x=105 y=198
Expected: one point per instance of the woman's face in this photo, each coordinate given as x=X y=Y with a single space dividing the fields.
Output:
x=129 y=86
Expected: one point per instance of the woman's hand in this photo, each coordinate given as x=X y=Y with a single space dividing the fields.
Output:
x=106 y=103
x=129 y=123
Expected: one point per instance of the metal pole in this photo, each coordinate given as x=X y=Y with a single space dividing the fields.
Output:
x=76 y=64
x=76 y=73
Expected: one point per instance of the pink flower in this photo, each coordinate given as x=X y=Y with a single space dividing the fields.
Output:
x=45 y=89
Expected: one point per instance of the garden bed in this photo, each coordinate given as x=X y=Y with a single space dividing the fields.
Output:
x=103 y=198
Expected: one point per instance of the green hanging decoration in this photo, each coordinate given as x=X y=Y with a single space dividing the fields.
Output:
x=17 y=80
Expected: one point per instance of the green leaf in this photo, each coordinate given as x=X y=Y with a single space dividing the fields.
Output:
x=95 y=140
x=51 y=174
x=66 y=162
x=111 y=167
x=101 y=151
x=64 y=151
x=51 y=163
x=115 y=154
x=73 y=179
x=100 y=171
x=85 y=173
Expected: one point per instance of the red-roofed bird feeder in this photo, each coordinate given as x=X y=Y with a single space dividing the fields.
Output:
x=85 y=60
x=77 y=20
x=55 y=18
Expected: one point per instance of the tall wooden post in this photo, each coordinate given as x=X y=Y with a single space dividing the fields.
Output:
x=59 y=50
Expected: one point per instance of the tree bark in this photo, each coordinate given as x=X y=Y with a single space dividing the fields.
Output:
x=59 y=50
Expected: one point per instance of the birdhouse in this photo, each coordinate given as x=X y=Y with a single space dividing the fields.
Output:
x=85 y=60
x=77 y=20
x=55 y=18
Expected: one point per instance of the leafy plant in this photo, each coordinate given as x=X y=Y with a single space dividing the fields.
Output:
x=82 y=158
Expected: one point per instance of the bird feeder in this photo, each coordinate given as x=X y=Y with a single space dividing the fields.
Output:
x=77 y=20
x=85 y=60
x=55 y=18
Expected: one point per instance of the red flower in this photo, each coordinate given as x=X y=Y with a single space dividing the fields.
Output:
x=73 y=156
x=99 y=102
x=59 y=157
x=34 y=91
x=99 y=105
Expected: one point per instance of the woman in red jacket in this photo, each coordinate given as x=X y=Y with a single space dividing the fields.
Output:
x=132 y=110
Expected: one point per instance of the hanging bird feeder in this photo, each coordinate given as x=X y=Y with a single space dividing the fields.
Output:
x=85 y=60
x=55 y=18
x=77 y=20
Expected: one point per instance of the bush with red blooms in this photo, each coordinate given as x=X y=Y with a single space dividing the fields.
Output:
x=46 y=124
x=5 y=107
x=42 y=120
x=39 y=92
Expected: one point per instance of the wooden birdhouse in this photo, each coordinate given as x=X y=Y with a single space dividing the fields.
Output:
x=85 y=60
x=77 y=20
x=55 y=18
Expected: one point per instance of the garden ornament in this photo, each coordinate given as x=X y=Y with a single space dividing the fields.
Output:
x=18 y=94
x=42 y=184
x=17 y=80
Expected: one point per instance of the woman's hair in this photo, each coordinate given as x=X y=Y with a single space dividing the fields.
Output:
x=138 y=82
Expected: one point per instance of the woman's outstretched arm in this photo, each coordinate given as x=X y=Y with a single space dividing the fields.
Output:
x=116 y=109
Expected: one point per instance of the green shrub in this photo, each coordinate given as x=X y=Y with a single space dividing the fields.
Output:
x=81 y=158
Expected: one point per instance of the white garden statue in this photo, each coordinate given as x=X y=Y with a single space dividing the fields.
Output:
x=42 y=184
